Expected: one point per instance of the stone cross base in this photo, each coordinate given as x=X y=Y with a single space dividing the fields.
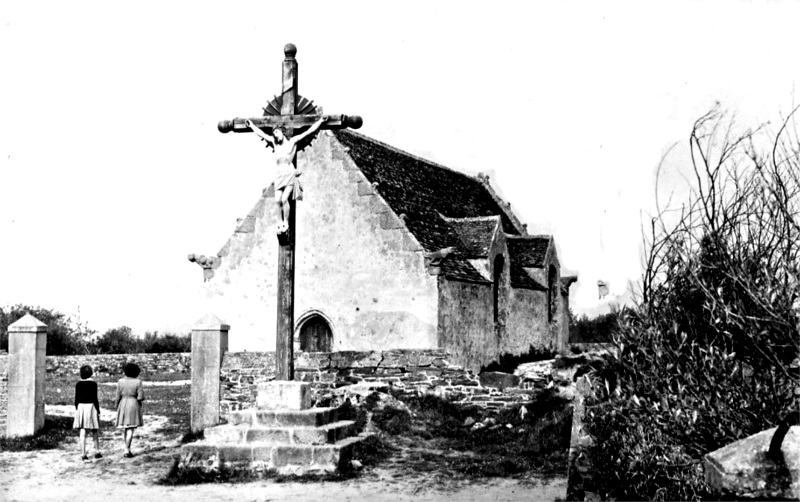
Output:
x=283 y=433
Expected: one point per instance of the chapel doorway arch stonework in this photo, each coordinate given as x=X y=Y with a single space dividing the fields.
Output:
x=314 y=333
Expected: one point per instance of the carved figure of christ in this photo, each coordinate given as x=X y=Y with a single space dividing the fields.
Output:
x=287 y=184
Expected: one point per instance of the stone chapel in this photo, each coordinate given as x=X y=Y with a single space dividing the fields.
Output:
x=393 y=252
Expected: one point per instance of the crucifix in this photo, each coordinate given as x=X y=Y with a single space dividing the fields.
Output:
x=288 y=120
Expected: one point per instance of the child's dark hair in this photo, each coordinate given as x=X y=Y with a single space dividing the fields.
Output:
x=86 y=372
x=131 y=370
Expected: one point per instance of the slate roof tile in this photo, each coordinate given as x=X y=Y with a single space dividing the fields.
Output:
x=529 y=251
x=443 y=208
x=475 y=234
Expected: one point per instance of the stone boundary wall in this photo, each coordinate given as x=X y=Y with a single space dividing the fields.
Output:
x=103 y=365
x=111 y=364
x=406 y=371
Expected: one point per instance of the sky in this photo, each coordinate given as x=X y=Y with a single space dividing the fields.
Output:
x=112 y=170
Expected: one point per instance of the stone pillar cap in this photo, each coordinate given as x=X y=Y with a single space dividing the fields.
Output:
x=210 y=322
x=28 y=323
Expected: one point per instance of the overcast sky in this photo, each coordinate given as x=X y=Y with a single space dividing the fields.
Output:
x=112 y=170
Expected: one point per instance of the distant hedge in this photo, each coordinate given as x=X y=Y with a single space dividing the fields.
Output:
x=68 y=337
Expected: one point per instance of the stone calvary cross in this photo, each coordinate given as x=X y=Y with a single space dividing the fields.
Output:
x=294 y=114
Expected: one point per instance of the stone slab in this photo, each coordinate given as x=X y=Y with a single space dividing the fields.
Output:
x=240 y=434
x=742 y=468
x=283 y=395
x=257 y=457
x=311 y=417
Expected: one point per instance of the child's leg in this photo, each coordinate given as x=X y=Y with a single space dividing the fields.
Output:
x=128 y=438
x=96 y=437
x=82 y=441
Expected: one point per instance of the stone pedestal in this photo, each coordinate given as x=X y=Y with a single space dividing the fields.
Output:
x=27 y=339
x=283 y=395
x=283 y=433
x=209 y=343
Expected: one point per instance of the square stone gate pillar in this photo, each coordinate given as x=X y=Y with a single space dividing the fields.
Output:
x=27 y=340
x=209 y=344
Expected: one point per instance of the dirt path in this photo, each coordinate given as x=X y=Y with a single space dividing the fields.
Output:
x=60 y=475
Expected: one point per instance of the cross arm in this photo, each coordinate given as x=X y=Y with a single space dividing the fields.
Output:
x=291 y=122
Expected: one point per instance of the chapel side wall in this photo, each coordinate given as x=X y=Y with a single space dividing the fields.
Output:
x=559 y=326
x=466 y=323
x=356 y=264
x=527 y=323
x=563 y=339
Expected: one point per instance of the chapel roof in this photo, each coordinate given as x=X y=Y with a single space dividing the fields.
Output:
x=443 y=208
x=475 y=234
x=529 y=251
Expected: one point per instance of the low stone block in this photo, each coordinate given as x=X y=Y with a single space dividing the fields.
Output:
x=235 y=454
x=498 y=380
x=312 y=435
x=311 y=417
x=273 y=436
x=327 y=434
x=263 y=456
x=239 y=417
x=743 y=469
x=278 y=394
x=225 y=434
x=292 y=455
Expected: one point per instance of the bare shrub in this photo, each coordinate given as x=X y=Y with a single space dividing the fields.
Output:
x=703 y=357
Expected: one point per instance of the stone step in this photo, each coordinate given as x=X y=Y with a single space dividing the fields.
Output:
x=239 y=434
x=259 y=457
x=311 y=417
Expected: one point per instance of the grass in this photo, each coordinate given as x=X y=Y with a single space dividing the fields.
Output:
x=512 y=446
x=56 y=430
x=171 y=401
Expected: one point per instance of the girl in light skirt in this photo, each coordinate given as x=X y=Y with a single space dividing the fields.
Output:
x=130 y=395
x=87 y=411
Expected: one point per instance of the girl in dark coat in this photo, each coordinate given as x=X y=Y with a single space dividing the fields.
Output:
x=87 y=411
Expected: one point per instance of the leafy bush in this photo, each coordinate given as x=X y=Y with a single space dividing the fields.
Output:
x=121 y=340
x=117 y=341
x=63 y=336
x=155 y=343
x=595 y=330
x=702 y=359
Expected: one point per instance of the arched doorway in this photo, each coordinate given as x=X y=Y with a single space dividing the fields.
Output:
x=316 y=335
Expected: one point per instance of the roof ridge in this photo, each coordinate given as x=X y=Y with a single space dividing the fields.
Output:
x=472 y=218
x=504 y=205
x=416 y=157
x=524 y=237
